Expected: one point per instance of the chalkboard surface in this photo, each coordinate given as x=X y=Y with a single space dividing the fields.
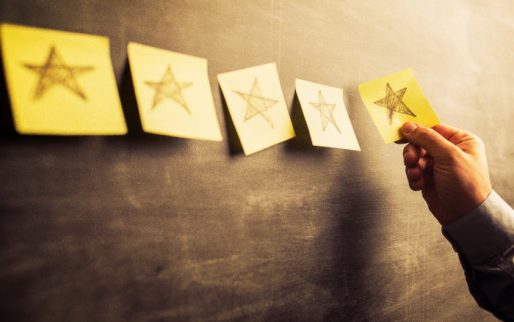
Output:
x=149 y=228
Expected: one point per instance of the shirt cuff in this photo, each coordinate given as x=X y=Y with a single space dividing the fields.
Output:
x=485 y=233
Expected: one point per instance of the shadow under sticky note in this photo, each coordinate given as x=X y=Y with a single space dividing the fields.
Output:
x=60 y=83
x=326 y=116
x=395 y=99
x=257 y=106
x=173 y=93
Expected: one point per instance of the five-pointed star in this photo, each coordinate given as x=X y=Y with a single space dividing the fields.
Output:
x=169 y=87
x=256 y=104
x=326 y=112
x=393 y=102
x=55 y=72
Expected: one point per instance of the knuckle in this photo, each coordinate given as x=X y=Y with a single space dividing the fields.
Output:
x=479 y=143
x=406 y=149
x=460 y=133
x=409 y=152
x=430 y=132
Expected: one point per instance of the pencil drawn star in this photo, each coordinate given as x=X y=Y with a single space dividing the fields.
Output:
x=326 y=112
x=256 y=104
x=393 y=102
x=169 y=87
x=56 y=72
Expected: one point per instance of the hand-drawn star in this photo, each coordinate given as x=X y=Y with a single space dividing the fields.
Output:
x=169 y=87
x=256 y=104
x=55 y=72
x=393 y=102
x=326 y=112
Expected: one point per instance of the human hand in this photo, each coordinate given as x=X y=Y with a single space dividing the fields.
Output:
x=449 y=166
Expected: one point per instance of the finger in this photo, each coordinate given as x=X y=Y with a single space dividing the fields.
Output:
x=418 y=184
x=453 y=134
x=410 y=155
x=426 y=164
x=415 y=177
x=422 y=152
x=450 y=133
x=413 y=174
x=446 y=131
x=427 y=138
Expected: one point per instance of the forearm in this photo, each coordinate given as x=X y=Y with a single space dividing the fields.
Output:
x=484 y=239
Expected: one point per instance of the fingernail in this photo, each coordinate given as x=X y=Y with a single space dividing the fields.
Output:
x=408 y=127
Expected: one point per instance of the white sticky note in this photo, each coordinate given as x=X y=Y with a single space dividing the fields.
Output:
x=326 y=116
x=256 y=104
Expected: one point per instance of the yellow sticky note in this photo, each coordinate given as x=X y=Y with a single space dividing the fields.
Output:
x=395 y=99
x=326 y=116
x=257 y=106
x=60 y=83
x=173 y=93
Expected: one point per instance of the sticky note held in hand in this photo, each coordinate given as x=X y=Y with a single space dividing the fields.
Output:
x=395 y=99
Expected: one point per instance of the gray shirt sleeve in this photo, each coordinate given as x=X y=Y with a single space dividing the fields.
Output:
x=484 y=240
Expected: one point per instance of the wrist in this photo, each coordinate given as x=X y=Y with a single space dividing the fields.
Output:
x=484 y=233
x=460 y=207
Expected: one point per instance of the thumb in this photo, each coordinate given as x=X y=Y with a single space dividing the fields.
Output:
x=436 y=145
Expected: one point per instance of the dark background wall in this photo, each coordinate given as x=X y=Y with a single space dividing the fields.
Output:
x=148 y=228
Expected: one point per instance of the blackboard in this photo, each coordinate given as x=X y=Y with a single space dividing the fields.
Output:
x=150 y=228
